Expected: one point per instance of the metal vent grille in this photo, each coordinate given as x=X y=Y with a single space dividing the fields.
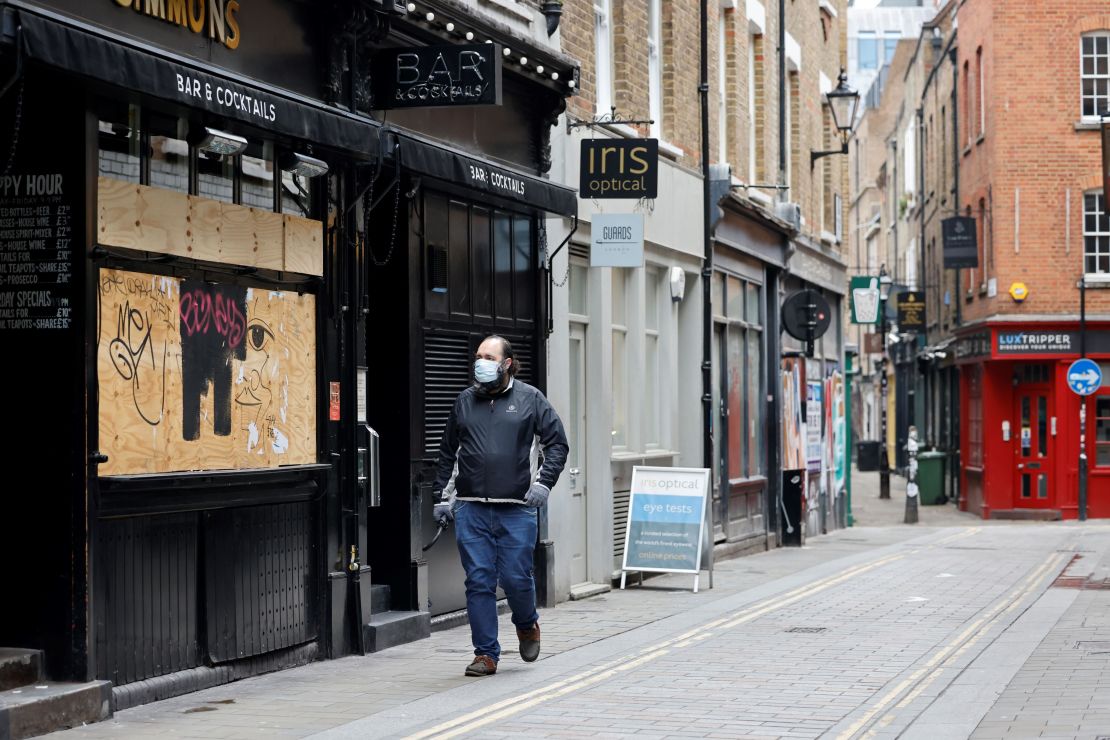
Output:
x=437 y=268
x=808 y=630
x=447 y=373
x=620 y=522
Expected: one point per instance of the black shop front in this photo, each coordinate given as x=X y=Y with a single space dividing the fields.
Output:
x=207 y=237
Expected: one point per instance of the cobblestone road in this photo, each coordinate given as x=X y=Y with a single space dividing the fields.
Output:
x=974 y=630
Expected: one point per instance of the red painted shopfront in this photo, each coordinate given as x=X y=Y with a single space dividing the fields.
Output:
x=1019 y=421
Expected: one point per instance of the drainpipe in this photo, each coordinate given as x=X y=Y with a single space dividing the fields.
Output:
x=782 y=97
x=707 y=264
x=956 y=163
x=924 y=286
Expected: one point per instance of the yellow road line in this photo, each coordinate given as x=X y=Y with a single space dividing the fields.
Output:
x=981 y=625
x=516 y=704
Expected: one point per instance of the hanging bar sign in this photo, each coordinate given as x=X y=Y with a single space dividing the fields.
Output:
x=428 y=76
x=960 y=247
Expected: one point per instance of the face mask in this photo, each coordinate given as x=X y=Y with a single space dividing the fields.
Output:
x=487 y=371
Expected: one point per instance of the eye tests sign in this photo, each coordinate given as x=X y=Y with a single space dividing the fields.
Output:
x=617 y=240
x=666 y=520
x=619 y=168
x=429 y=76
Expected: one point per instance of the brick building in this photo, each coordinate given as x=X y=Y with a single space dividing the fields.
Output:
x=632 y=338
x=1033 y=80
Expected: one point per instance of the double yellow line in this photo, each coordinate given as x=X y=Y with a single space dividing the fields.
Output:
x=505 y=708
x=943 y=658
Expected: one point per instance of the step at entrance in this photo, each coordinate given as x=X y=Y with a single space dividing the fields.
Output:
x=379 y=599
x=19 y=667
x=47 y=707
x=388 y=629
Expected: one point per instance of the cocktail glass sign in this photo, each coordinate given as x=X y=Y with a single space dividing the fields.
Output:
x=426 y=76
x=865 y=299
x=619 y=168
x=617 y=240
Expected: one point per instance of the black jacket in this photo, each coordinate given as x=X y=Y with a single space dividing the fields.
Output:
x=492 y=444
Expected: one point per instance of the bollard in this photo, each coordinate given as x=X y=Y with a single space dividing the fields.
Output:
x=911 y=478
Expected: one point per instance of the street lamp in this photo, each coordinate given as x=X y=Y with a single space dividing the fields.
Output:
x=843 y=102
x=885 y=282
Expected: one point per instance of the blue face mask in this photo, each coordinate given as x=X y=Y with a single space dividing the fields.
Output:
x=487 y=371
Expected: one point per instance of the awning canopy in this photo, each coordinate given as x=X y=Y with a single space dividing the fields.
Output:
x=149 y=71
x=444 y=163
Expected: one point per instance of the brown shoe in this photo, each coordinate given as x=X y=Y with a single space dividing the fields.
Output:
x=482 y=665
x=529 y=642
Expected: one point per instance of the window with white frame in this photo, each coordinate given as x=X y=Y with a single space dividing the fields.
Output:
x=980 y=99
x=890 y=44
x=653 y=390
x=620 y=358
x=603 y=55
x=655 y=67
x=909 y=158
x=1096 y=233
x=868 y=50
x=1094 y=73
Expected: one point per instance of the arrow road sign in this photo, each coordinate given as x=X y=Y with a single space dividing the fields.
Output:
x=1084 y=377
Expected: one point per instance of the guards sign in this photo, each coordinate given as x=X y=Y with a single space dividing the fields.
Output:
x=617 y=240
x=666 y=520
x=619 y=168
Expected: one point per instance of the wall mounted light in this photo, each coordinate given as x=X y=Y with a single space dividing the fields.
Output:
x=303 y=165
x=843 y=102
x=220 y=143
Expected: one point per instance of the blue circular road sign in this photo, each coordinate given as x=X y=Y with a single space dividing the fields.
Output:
x=1084 y=377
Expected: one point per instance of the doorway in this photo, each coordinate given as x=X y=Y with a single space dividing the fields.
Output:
x=576 y=458
x=1035 y=439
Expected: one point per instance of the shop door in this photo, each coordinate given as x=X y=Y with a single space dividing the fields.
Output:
x=1034 y=449
x=576 y=459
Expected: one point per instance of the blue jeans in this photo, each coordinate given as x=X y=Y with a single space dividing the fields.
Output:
x=496 y=542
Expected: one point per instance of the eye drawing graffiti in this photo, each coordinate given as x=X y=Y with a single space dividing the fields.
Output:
x=255 y=396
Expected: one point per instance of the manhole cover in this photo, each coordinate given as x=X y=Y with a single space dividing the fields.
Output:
x=808 y=630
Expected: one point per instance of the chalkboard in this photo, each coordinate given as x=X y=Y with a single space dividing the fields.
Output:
x=666 y=520
x=36 y=251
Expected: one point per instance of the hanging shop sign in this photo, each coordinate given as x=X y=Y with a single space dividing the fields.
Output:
x=617 y=240
x=960 y=247
x=666 y=520
x=873 y=343
x=911 y=310
x=428 y=76
x=619 y=168
x=864 y=291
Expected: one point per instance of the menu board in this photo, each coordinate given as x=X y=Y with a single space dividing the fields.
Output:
x=36 y=252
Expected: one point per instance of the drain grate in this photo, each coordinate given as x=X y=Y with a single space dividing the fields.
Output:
x=808 y=630
x=1094 y=647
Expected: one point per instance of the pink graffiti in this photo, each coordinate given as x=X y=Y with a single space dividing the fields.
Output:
x=201 y=314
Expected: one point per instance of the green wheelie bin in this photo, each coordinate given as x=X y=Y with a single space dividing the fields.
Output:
x=930 y=477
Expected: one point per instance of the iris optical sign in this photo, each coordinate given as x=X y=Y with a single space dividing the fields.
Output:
x=619 y=168
x=436 y=76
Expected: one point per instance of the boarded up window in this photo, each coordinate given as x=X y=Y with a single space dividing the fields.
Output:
x=196 y=375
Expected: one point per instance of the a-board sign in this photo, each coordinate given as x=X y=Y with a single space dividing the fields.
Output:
x=666 y=520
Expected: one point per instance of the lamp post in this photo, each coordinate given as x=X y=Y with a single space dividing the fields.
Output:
x=885 y=282
x=843 y=102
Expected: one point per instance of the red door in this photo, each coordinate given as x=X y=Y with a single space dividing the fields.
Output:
x=1034 y=447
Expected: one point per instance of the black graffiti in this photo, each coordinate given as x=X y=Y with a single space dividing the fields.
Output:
x=130 y=352
x=206 y=359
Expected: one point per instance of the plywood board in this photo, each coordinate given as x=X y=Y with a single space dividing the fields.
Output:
x=195 y=375
x=141 y=217
x=304 y=251
x=204 y=229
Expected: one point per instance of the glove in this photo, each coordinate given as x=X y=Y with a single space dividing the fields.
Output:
x=441 y=512
x=537 y=495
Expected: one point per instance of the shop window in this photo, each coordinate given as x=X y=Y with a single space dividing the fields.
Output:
x=256 y=176
x=169 y=153
x=296 y=195
x=1096 y=233
x=975 y=416
x=1102 y=431
x=216 y=177
x=119 y=142
x=620 y=352
x=579 y=289
x=741 y=355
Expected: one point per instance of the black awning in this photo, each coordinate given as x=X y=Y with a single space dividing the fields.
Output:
x=83 y=52
x=443 y=163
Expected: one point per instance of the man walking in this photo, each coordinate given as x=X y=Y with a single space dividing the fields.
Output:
x=492 y=486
